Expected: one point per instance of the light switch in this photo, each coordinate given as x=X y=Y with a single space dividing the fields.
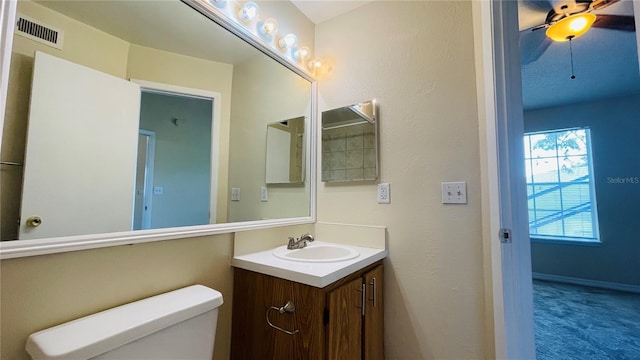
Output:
x=454 y=192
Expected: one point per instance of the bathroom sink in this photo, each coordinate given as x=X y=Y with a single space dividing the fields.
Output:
x=325 y=252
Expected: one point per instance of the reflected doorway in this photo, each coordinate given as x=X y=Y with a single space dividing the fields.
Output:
x=174 y=170
x=144 y=180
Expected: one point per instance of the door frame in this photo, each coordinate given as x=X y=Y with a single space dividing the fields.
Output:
x=147 y=195
x=7 y=16
x=501 y=118
x=216 y=103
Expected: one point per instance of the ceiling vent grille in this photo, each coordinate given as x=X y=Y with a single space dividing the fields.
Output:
x=38 y=31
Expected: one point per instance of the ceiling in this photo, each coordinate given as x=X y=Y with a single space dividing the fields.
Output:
x=605 y=61
x=319 y=11
x=165 y=25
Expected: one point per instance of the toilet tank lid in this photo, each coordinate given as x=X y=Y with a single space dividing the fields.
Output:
x=104 y=331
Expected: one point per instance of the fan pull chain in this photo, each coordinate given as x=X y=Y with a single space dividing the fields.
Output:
x=573 y=76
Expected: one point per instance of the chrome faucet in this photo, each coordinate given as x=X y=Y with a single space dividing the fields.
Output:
x=300 y=243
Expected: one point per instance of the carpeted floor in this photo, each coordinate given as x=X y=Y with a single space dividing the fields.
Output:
x=585 y=323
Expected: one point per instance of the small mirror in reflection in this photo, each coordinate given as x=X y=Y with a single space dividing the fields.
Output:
x=285 y=152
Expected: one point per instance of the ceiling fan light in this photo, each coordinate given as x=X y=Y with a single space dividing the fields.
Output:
x=571 y=27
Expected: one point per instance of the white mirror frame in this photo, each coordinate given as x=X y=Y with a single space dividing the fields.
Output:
x=24 y=248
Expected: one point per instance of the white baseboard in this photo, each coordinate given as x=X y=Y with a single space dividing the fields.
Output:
x=587 y=282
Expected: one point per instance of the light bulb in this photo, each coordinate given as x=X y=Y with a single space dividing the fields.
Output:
x=314 y=64
x=268 y=27
x=571 y=27
x=287 y=42
x=218 y=3
x=249 y=11
x=578 y=24
x=302 y=53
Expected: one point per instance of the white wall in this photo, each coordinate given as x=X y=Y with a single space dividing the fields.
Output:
x=417 y=60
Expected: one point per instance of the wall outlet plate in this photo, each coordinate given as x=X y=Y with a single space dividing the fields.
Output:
x=454 y=192
x=235 y=194
x=264 y=194
x=384 y=193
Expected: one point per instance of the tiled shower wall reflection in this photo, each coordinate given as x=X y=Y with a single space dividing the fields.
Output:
x=349 y=153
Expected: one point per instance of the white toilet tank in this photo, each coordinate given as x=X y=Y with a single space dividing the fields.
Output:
x=180 y=324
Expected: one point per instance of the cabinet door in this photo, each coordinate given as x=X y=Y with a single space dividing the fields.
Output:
x=344 y=331
x=374 y=315
x=253 y=338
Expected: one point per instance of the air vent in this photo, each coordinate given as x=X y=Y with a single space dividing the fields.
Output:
x=38 y=31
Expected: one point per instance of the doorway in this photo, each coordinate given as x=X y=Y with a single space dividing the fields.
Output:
x=144 y=180
x=580 y=150
x=178 y=156
x=505 y=129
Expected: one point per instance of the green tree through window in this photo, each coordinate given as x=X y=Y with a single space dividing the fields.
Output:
x=560 y=191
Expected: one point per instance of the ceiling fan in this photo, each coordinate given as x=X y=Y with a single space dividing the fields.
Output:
x=566 y=21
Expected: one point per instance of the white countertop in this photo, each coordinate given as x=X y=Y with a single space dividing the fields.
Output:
x=318 y=274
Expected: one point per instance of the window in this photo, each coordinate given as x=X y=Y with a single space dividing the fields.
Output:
x=560 y=189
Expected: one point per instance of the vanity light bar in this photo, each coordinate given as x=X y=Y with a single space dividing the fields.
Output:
x=247 y=17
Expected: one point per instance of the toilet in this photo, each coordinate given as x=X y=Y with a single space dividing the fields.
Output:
x=180 y=324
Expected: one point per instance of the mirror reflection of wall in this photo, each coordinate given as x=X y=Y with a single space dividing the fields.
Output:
x=285 y=152
x=349 y=143
x=171 y=51
x=262 y=95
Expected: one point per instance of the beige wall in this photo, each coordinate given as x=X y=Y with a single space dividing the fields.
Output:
x=42 y=291
x=419 y=65
x=279 y=95
x=169 y=68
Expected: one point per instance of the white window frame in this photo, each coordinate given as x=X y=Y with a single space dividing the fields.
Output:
x=573 y=240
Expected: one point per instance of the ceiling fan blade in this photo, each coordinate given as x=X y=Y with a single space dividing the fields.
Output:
x=615 y=22
x=543 y=26
x=601 y=4
x=532 y=45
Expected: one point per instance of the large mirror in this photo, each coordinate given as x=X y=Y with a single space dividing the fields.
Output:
x=141 y=115
x=350 y=143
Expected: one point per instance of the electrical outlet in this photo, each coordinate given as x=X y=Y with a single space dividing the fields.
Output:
x=158 y=190
x=235 y=194
x=384 y=193
x=454 y=192
x=264 y=194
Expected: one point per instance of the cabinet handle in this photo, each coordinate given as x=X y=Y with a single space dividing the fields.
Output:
x=289 y=307
x=363 y=293
x=373 y=285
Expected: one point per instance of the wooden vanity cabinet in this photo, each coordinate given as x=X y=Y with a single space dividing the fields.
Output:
x=330 y=322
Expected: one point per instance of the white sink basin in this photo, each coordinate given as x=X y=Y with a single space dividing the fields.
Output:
x=317 y=253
